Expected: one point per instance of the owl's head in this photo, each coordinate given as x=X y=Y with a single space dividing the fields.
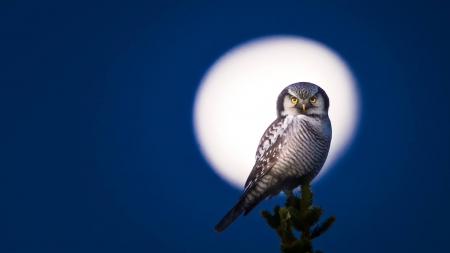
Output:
x=302 y=98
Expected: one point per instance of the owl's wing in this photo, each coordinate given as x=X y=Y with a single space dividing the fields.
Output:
x=269 y=149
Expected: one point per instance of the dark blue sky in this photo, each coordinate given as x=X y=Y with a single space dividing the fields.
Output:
x=97 y=146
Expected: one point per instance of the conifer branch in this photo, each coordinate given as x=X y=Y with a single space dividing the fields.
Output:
x=298 y=214
x=324 y=226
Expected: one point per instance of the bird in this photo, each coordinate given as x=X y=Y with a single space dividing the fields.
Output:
x=292 y=149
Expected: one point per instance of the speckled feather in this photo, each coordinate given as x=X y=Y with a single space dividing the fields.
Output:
x=269 y=148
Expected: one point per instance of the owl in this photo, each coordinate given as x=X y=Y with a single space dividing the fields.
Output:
x=292 y=149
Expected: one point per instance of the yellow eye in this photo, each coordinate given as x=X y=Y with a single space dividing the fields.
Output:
x=294 y=100
x=313 y=99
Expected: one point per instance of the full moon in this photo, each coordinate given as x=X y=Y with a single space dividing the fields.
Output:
x=235 y=102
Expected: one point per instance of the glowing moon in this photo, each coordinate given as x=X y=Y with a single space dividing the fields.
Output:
x=235 y=102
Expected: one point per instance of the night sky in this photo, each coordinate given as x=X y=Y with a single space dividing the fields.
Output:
x=98 y=152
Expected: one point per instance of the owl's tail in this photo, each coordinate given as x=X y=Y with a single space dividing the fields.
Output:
x=229 y=217
x=248 y=200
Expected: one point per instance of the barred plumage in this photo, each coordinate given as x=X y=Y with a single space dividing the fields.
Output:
x=293 y=147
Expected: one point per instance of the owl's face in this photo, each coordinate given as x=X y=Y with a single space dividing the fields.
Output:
x=302 y=98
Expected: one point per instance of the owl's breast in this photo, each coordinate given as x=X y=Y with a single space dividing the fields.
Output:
x=307 y=148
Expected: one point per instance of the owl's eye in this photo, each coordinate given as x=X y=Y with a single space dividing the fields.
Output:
x=294 y=100
x=313 y=99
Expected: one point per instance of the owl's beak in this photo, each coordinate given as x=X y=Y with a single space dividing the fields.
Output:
x=303 y=107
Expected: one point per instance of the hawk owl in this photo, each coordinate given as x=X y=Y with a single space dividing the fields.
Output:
x=293 y=148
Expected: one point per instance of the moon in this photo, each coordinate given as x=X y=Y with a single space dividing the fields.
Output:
x=236 y=98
